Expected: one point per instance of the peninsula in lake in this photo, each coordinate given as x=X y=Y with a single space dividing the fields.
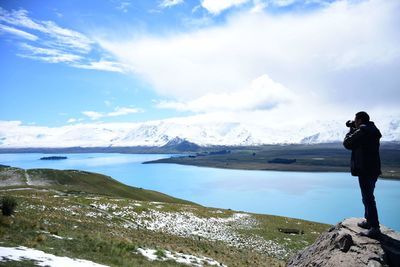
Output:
x=308 y=158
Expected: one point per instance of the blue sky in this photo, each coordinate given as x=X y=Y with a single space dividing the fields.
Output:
x=70 y=62
x=36 y=91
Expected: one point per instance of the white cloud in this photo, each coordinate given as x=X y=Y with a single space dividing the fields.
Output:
x=286 y=3
x=344 y=55
x=262 y=94
x=102 y=65
x=216 y=7
x=94 y=115
x=67 y=38
x=258 y=6
x=48 y=54
x=170 y=3
x=73 y=120
x=283 y=2
x=10 y=124
x=123 y=6
x=55 y=44
x=19 y=18
x=118 y=111
x=59 y=37
x=20 y=33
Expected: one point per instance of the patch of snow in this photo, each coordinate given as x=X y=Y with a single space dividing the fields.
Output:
x=15 y=189
x=36 y=207
x=60 y=237
x=55 y=236
x=187 y=259
x=92 y=214
x=148 y=253
x=104 y=206
x=186 y=224
x=42 y=258
x=93 y=198
x=218 y=211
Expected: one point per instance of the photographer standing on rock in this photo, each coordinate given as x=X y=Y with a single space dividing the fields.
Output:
x=363 y=141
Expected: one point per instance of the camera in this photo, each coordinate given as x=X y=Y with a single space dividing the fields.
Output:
x=351 y=124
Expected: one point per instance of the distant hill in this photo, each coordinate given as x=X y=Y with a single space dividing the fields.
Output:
x=181 y=145
x=73 y=181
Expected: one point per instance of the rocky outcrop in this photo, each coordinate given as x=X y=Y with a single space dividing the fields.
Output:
x=342 y=246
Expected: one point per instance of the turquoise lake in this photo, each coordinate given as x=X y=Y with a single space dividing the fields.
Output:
x=321 y=197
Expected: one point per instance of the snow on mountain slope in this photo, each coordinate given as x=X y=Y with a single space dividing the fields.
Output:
x=158 y=133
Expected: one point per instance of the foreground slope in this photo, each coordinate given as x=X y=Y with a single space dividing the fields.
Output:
x=78 y=181
x=120 y=231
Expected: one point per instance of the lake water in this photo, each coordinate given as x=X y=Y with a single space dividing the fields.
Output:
x=321 y=197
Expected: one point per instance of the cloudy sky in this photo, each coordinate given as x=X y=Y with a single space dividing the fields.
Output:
x=264 y=61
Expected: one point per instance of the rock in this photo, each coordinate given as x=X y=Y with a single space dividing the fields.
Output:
x=344 y=242
x=342 y=246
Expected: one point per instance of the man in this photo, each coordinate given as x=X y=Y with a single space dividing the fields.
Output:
x=363 y=141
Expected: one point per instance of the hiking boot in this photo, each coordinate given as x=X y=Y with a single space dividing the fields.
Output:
x=364 y=224
x=373 y=232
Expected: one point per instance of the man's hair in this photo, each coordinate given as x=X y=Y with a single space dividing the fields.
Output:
x=363 y=116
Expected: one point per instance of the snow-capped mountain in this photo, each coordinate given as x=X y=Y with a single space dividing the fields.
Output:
x=159 y=133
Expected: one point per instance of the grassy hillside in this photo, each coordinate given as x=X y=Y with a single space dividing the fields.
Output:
x=112 y=230
x=79 y=182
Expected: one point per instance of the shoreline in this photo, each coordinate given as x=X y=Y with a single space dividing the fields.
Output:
x=272 y=167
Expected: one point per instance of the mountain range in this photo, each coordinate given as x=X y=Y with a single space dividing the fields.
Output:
x=167 y=132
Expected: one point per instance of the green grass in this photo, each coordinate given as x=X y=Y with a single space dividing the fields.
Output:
x=269 y=225
x=105 y=240
x=96 y=218
x=72 y=181
x=102 y=240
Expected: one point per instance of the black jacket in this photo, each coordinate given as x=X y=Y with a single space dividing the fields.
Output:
x=364 y=146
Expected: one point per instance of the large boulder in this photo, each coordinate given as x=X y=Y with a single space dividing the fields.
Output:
x=342 y=246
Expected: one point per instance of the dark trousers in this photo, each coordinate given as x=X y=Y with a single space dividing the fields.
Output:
x=367 y=186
